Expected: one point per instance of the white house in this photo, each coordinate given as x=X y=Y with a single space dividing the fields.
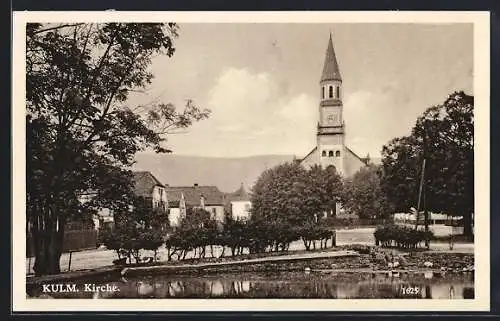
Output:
x=239 y=204
x=209 y=198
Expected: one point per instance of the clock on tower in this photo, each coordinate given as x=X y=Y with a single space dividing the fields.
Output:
x=332 y=118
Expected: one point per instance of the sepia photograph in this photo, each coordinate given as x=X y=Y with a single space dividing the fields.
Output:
x=163 y=158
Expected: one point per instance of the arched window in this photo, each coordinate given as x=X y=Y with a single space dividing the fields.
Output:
x=323 y=153
x=330 y=153
x=330 y=91
x=338 y=92
x=337 y=153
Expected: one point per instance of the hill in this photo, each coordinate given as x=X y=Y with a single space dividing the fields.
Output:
x=225 y=173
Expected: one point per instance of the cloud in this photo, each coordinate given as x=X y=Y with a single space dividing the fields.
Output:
x=254 y=111
x=374 y=117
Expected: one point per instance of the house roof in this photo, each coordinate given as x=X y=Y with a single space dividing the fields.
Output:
x=193 y=194
x=331 y=67
x=240 y=195
x=144 y=182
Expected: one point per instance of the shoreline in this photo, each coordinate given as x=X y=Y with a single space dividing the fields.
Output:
x=342 y=262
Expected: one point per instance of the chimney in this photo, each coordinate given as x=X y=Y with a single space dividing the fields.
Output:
x=202 y=202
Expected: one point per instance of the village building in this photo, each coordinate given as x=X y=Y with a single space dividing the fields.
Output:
x=209 y=198
x=238 y=204
x=147 y=187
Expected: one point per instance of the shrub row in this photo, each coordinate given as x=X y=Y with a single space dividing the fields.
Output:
x=255 y=237
x=128 y=243
x=401 y=236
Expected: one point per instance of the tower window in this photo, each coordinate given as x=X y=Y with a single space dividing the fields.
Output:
x=322 y=92
x=323 y=153
x=330 y=153
x=330 y=91
x=337 y=153
x=338 y=92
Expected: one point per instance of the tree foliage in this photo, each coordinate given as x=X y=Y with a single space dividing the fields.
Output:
x=449 y=169
x=294 y=195
x=81 y=135
x=401 y=236
x=364 y=196
x=196 y=231
x=289 y=201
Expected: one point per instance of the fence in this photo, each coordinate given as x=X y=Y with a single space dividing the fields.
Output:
x=74 y=240
x=355 y=222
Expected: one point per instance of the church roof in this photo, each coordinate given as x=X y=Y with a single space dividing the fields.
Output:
x=313 y=150
x=331 y=67
x=362 y=159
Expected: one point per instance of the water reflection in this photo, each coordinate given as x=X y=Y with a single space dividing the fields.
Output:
x=287 y=286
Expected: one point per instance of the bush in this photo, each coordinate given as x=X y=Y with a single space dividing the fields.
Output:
x=361 y=249
x=401 y=236
x=310 y=233
x=128 y=242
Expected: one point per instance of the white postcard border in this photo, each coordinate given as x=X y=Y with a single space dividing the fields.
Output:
x=481 y=21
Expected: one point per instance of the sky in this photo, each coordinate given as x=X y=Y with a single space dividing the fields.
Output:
x=261 y=82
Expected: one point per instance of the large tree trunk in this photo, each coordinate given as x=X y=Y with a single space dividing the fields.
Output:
x=468 y=226
x=48 y=232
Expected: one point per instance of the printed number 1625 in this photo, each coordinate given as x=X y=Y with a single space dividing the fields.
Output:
x=410 y=290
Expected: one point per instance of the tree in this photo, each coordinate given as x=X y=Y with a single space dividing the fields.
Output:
x=196 y=230
x=148 y=216
x=449 y=179
x=401 y=168
x=326 y=186
x=279 y=193
x=288 y=202
x=81 y=136
x=364 y=196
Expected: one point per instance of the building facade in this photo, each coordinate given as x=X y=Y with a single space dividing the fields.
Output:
x=330 y=149
x=147 y=187
x=209 y=198
x=238 y=204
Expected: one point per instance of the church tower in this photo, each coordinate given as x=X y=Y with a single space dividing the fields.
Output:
x=330 y=135
x=331 y=127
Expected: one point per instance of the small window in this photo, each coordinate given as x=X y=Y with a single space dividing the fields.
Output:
x=330 y=91
x=323 y=153
x=337 y=153
x=338 y=92
x=330 y=153
x=322 y=92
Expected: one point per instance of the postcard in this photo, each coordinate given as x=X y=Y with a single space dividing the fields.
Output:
x=250 y=161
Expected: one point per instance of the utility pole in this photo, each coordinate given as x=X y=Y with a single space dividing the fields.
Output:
x=424 y=187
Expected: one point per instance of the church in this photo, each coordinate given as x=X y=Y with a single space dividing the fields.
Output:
x=331 y=149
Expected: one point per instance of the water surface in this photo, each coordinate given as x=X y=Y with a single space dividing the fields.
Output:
x=279 y=285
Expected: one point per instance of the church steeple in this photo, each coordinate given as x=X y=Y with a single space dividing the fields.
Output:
x=330 y=67
x=331 y=127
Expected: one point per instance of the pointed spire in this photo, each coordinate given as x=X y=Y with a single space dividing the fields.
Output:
x=330 y=68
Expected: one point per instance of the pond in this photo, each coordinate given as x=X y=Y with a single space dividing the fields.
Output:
x=278 y=285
